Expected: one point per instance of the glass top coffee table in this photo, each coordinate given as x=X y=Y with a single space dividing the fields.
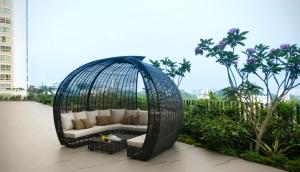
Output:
x=95 y=144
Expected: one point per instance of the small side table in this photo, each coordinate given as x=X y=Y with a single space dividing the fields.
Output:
x=95 y=144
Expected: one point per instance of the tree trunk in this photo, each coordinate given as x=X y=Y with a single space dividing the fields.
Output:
x=264 y=126
x=258 y=140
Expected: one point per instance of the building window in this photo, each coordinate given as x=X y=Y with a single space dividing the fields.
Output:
x=5 y=39
x=5 y=2
x=5 y=77
x=5 y=67
x=5 y=58
x=5 y=10
x=5 y=86
x=4 y=48
x=5 y=20
x=4 y=29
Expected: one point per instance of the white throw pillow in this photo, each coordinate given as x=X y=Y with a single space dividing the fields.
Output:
x=80 y=115
x=66 y=120
x=104 y=112
x=91 y=115
x=117 y=115
x=143 y=117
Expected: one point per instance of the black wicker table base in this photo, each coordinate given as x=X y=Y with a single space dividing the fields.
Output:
x=95 y=144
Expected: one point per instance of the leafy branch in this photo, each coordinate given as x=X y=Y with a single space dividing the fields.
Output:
x=176 y=71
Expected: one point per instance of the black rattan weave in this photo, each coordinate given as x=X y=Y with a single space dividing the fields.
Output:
x=95 y=144
x=112 y=83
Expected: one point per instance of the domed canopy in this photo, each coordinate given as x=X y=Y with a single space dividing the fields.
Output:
x=111 y=83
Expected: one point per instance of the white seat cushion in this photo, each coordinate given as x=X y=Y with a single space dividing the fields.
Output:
x=80 y=115
x=143 y=117
x=88 y=131
x=137 y=141
x=117 y=115
x=139 y=128
x=82 y=132
x=98 y=129
x=66 y=120
x=116 y=126
x=91 y=115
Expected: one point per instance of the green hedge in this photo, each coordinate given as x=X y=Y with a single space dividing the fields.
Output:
x=224 y=129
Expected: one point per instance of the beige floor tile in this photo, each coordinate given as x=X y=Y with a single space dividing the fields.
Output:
x=28 y=143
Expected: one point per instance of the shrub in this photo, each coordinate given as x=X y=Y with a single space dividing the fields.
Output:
x=223 y=132
x=194 y=122
x=45 y=99
x=254 y=157
x=293 y=165
x=181 y=137
x=230 y=151
x=288 y=134
x=187 y=139
x=200 y=109
x=286 y=110
x=216 y=131
x=16 y=98
x=279 y=160
x=190 y=141
x=142 y=102
x=43 y=94
x=10 y=98
x=233 y=113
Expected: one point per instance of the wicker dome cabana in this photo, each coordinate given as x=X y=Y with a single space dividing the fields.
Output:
x=112 y=83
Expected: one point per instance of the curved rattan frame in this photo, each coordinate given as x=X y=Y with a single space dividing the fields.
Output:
x=112 y=83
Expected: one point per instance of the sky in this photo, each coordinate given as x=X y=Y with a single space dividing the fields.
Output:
x=64 y=35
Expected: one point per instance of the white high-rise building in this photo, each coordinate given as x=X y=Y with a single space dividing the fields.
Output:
x=6 y=47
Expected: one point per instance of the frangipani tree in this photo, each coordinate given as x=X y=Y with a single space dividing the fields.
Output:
x=277 y=69
x=173 y=69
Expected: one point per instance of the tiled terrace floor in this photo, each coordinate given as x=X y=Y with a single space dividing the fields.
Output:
x=28 y=143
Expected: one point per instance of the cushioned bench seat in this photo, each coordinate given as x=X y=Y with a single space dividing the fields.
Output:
x=137 y=141
x=139 y=128
x=97 y=129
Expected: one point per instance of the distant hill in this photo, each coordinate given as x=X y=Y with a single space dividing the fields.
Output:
x=187 y=96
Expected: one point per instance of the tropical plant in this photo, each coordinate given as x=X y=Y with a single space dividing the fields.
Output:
x=185 y=66
x=287 y=132
x=277 y=148
x=43 y=94
x=155 y=63
x=262 y=63
x=230 y=94
x=173 y=69
x=46 y=90
x=212 y=96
